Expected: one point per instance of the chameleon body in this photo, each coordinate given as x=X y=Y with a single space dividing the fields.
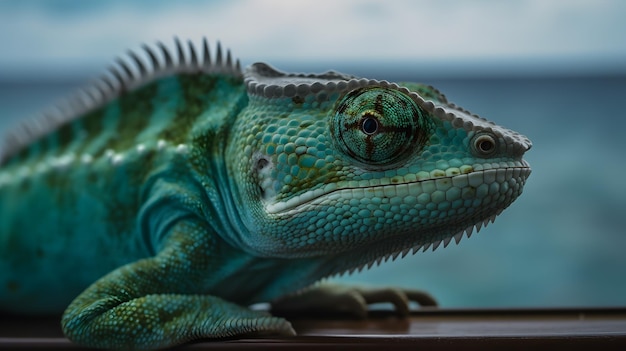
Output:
x=155 y=206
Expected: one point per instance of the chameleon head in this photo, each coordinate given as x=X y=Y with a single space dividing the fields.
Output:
x=330 y=163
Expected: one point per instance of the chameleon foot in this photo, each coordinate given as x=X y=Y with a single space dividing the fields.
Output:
x=331 y=299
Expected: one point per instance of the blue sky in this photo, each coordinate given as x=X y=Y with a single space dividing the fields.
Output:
x=557 y=34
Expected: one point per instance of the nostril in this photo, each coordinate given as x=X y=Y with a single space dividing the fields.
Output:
x=484 y=145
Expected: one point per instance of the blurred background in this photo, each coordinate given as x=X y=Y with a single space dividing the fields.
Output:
x=552 y=70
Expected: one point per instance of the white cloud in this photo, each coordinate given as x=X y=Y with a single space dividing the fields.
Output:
x=324 y=30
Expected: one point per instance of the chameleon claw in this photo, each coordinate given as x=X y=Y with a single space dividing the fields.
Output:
x=339 y=300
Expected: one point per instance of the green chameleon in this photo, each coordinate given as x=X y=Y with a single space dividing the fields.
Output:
x=158 y=204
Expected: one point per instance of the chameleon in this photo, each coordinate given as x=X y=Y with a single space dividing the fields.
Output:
x=155 y=206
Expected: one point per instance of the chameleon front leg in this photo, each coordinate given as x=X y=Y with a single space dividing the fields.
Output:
x=335 y=299
x=155 y=303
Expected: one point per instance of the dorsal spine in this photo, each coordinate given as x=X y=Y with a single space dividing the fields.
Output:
x=126 y=74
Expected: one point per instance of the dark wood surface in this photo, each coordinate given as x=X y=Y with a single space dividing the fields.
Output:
x=437 y=329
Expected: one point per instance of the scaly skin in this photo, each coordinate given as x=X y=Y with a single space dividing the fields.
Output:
x=173 y=198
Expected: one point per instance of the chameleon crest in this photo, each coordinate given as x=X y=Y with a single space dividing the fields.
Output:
x=186 y=190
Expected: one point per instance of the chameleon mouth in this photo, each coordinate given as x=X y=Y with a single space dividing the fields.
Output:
x=483 y=181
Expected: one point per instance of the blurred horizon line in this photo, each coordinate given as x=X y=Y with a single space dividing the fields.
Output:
x=376 y=69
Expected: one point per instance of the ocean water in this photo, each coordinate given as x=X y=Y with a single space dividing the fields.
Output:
x=562 y=243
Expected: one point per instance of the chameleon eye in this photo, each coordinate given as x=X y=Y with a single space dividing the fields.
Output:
x=377 y=125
